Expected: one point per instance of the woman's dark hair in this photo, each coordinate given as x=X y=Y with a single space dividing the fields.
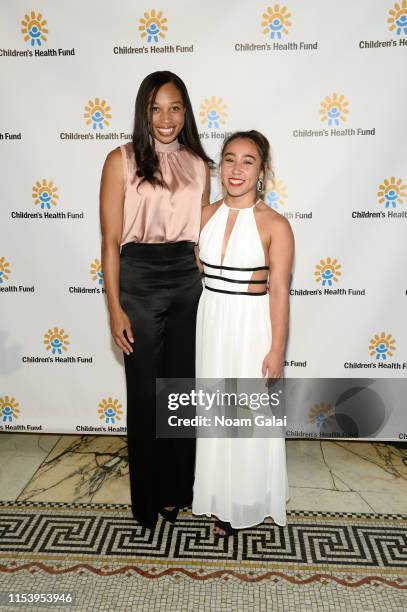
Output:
x=262 y=145
x=146 y=158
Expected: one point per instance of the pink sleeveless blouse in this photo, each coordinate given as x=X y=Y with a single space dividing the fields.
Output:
x=163 y=215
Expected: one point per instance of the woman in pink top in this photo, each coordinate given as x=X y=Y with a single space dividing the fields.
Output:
x=152 y=192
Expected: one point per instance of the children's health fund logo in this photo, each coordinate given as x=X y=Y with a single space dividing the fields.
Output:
x=334 y=109
x=110 y=411
x=276 y=197
x=5 y=275
x=153 y=32
x=328 y=275
x=391 y=192
x=334 y=112
x=381 y=348
x=97 y=114
x=5 y=270
x=213 y=114
x=97 y=117
x=96 y=272
x=46 y=205
x=276 y=194
x=95 y=280
x=45 y=194
x=57 y=349
x=397 y=18
x=34 y=29
x=321 y=415
x=111 y=414
x=9 y=415
x=153 y=26
x=272 y=32
x=327 y=271
x=35 y=33
x=56 y=341
x=389 y=202
x=9 y=409
x=396 y=22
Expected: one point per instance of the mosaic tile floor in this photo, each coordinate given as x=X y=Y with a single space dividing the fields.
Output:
x=344 y=547
x=326 y=560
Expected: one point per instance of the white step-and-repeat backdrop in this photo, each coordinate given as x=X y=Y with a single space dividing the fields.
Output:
x=325 y=81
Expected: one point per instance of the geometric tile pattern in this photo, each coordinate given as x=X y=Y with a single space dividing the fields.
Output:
x=352 y=549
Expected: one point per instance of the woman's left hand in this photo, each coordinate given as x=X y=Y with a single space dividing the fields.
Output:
x=272 y=366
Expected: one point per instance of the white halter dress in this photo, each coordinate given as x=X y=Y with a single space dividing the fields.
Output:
x=240 y=480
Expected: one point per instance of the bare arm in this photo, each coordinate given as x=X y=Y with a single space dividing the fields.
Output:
x=281 y=253
x=207 y=189
x=205 y=202
x=111 y=220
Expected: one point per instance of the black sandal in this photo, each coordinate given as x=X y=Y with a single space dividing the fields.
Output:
x=169 y=515
x=227 y=528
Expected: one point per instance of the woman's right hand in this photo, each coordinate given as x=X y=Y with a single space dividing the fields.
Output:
x=120 y=328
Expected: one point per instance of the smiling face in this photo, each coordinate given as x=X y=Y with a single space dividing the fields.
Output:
x=241 y=167
x=167 y=113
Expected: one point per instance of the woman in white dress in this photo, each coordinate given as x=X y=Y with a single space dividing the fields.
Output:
x=246 y=250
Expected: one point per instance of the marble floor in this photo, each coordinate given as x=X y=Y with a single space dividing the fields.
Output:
x=323 y=475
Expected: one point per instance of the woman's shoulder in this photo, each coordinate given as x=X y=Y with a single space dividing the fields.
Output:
x=113 y=159
x=120 y=161
x=209 y=210
x=116 y=154
x=273 y=220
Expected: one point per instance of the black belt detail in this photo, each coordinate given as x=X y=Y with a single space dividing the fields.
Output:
x=232 y=280
x=237 y=269
x=236 y=292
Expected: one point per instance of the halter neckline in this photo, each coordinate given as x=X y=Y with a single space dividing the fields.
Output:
x=169 y=147
x=245 y=208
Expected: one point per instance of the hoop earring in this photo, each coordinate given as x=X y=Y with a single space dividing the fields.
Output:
x=259 y=185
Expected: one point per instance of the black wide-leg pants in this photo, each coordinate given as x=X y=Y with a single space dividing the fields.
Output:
x=160 y=286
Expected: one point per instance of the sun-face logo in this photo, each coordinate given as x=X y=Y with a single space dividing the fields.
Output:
x=334 y=109
x=398 y=18
x=382 y=345
x=110 y=410
x=276 y=194
x=97 y=114
x=391 y=192
x=319 y=414
x=34 y=29
x=96 y=271
x=45 y=194
x=4 y=270
x=327 y=271
x=276 y=21
x=56 y=341
x=152 y=26
x=9 y=409
x=213 y=112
